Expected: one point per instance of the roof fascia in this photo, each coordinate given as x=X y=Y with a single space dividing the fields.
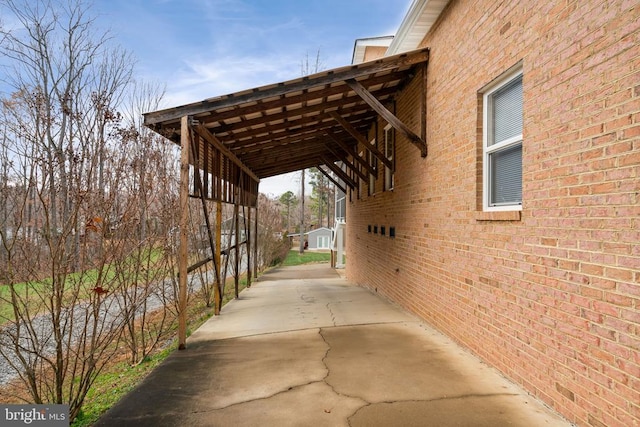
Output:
x=430 y=10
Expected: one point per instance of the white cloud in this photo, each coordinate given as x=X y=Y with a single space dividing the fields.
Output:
x=198 y=80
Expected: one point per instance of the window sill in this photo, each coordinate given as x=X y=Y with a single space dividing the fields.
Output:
x=499 y=216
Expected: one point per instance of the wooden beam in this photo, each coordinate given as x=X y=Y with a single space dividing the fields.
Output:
x=423 y=116
x=332 y=179
x=200 y=187
x=396 y=123
x=236 y=261
x=185 y=143
x=213 y=140
x=255 y=244
x=199 y=264
x=354 y=100
x=217 y=295
x=361 y=139
x=249 y=254
x=342 y=174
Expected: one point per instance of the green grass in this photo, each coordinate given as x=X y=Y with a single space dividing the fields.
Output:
x=34 y=291
x=295 y=258
x=110 y=386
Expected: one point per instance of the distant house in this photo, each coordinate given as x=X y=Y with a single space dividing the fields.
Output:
x=319 y=238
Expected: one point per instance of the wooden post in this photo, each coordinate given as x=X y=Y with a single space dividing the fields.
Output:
x=247 y=231
x=217 y=295
x=255 y=246
x=185 y=143
x=236 y=214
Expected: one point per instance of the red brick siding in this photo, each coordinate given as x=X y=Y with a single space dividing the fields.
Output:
x=551 y=299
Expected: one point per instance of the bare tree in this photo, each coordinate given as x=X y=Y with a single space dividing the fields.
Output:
x=272 y=248
x=67 y=81
x=141 y=225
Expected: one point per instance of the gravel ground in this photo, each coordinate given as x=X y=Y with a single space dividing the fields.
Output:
x=43 y=332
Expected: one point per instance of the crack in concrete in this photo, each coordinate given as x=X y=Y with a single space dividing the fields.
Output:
x=257 y=399
x=437 y=399
x=324 y=362
x=290 y=388
x=333 y=316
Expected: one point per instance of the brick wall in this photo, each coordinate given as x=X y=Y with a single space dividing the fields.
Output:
x=551 y=295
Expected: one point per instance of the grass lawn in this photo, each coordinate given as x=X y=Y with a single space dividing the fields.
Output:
x=295 y=258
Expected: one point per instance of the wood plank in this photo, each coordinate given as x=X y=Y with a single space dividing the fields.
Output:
x=352 y=167
x=423 y=116
x=342 y=174
x=286 y=113
x=331 y=178
x=359 y=117
x=217 y=293
x=249 y=254
x=351 y=152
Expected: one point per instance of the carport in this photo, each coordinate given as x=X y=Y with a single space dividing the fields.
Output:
x=229 y=143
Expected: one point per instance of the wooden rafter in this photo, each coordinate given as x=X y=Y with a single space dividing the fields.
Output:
x=352 y=167
x=351 y=152
x=280 y=128
x=306 y=83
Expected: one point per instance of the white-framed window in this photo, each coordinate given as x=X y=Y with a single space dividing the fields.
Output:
x=373 y=162
x=389 y=152
x=502 y=143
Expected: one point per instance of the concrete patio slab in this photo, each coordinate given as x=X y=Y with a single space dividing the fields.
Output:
x=303 y=347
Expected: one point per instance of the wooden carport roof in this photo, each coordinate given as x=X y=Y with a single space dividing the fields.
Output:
x=232 y=141
x=307 y=122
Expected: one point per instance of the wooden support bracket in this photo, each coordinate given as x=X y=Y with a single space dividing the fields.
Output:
x=361 y=139
x=396 y=123
x=332 y=179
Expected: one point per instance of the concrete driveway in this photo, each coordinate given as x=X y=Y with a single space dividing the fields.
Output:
x=303 y=347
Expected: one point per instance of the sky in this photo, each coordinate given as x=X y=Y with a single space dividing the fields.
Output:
x=206 y=48
x=201 y=49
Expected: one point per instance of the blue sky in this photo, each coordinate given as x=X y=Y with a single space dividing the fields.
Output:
x=205 y=48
